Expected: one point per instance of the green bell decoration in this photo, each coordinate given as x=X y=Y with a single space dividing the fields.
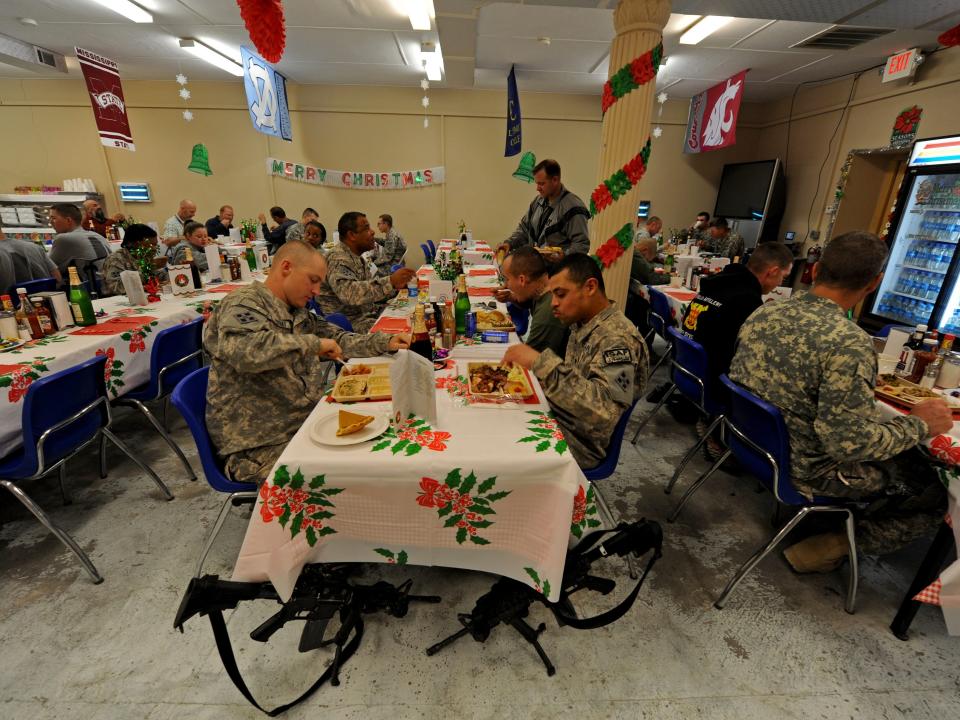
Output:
x=524 y=171
x=201 y=160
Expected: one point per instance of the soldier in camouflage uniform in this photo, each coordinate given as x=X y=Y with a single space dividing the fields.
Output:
x=392 y=246
x=298 y=231
x=350 y=287
x=604 y=368
x=819 y=369
x=267 y=353
x=721 y=241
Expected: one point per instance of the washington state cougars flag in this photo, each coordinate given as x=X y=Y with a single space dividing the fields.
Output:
x=713 y=116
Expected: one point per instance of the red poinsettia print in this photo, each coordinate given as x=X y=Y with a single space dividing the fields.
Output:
x=412 y=436
x=463 y=508
x=20 y=376
x=111 y=354
x=945 y=448
x=907 y=120
x=298 y=505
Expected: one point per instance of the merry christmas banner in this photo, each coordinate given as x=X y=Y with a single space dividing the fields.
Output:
x=106 y=96
x=356 y=180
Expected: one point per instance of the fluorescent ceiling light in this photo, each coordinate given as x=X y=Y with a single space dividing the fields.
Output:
x=195 y=47
x=128 y=9
x=432 y=61
x=702 y=28
x=420 y=12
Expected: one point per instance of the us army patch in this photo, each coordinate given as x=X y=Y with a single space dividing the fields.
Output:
x=616 y=355
x=245 y=317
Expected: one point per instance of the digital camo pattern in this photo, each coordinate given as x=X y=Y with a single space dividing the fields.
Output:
x=351 y=289
x=604 y=369
x=392 y=249
x=265 y=370
x=115 y=264
x=730 y=246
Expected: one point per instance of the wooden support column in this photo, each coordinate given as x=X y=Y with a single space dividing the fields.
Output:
x=626 y=127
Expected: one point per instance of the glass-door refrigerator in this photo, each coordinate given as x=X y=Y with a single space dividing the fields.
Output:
x=920 y=283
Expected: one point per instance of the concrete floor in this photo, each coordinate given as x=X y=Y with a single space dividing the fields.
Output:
x=783 y=646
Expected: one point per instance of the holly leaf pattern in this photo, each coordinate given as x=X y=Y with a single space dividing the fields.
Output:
x=455 y=505
x=544 y=430
x=304 y=504
x=412 y=437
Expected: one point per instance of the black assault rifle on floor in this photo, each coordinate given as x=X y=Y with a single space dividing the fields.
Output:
x=509 y=601
x=321 y=592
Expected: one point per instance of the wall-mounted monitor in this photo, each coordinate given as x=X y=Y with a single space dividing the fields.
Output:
x=643 y=209
x=744 y=188
x=134 y=192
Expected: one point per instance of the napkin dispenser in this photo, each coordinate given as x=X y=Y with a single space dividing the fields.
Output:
x=59 y=307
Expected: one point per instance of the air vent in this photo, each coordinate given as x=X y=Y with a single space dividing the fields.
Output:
x=46 y=57
x=843 y=37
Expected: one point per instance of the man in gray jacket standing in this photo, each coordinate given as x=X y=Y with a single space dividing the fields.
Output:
x=556 y=218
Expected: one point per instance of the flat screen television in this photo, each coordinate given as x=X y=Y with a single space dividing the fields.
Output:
x=744 y=188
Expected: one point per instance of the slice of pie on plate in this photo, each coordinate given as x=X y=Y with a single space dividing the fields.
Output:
x=350 y=423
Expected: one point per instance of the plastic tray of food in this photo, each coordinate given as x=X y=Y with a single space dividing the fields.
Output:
x=497 y=381
x=494 y=320
x=907 y=394
x=360 y=382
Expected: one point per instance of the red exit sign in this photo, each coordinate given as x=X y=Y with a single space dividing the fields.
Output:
x=902 y=65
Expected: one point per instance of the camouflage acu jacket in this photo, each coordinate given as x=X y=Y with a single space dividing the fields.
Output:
x=604 y=369
x=351 y=289
x=392 y=249
x=265 y=369
x=806 y=358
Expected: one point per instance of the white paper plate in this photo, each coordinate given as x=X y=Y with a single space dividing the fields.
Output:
x=324 y=431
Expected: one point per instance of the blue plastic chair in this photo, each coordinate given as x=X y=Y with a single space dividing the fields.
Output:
x=427 y=253
x=340 y=320
x=756 y=435
x=62 y=414
x=32 y=287
x=691 y=378
x=660 y=319
x=176 y=352
x=433 y=249
x=190 y=398
x=520 y=317
x=606 y=468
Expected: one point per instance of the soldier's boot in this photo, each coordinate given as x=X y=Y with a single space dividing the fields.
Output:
x=819 y=553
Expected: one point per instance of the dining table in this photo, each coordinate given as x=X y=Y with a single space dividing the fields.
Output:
x=489 y=486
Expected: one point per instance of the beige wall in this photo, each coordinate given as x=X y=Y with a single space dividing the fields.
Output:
x=867 y=123
x=49 y=134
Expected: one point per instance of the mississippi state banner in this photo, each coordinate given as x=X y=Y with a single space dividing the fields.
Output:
x=106 y=96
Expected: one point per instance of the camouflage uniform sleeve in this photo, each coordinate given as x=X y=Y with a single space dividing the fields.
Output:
x=247 y=339
x=351 y=290
x=591 y=399
x=354 y=345
x=848 y=422
x=394 y=247
x=295 y=232
x=112 y=267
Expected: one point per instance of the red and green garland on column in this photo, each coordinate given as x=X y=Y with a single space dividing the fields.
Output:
x=608 y=192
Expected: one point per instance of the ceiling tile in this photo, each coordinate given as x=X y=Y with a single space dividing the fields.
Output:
x=826 y=11
x=560 y=55
x=782 y=34
x=503 y=20
x=905 y=13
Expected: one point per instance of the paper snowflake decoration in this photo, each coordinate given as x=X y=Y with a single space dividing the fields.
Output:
x=425 y=84
x=184 y=93
x=657 y=131
x=187 y=115
x=425 y=101
x=662 y=98
x=181 y=79
x=426 y=122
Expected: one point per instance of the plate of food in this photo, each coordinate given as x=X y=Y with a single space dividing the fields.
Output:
x=360 y=382
x=492 y=380
x=493 y=320
x=11 y=344
x=907 y=394
x=348 y=428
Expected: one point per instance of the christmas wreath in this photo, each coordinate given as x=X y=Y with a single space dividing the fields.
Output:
x=264 y=21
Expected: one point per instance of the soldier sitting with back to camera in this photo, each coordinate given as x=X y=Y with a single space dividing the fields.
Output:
x=605 y=365
x=805 y=356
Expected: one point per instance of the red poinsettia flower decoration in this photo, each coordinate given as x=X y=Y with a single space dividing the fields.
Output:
x=265 y=24
x=907 y=120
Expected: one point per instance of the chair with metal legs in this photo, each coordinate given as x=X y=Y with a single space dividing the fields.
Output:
x=176 y=352
x=63 y=413
x=661 y=318
x=755 y=433
x=690 y=375
x=190 y=398
x=606 y=468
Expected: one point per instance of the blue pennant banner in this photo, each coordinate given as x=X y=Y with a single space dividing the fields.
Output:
x=266 y=96
x=514 y=135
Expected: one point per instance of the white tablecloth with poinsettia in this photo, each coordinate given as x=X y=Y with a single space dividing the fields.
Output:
x=488 y=487
x=125 y=335
x=945 y=590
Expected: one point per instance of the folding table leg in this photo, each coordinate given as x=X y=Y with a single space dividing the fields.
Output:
x=928 y=571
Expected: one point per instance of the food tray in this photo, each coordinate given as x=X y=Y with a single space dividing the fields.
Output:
x=519 y=382
x=354 y=386
x=494 y=320
x=907 y=394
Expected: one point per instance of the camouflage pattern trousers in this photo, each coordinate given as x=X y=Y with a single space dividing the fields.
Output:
x=904 y=499
x=252 y=465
